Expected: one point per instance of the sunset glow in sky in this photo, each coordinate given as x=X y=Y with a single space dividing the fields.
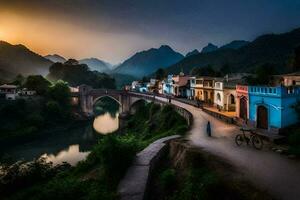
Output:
x=114 y=30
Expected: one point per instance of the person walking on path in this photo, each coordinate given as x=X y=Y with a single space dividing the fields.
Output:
x=208 y=129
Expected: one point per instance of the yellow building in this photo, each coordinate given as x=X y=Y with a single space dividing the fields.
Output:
x=204 y=89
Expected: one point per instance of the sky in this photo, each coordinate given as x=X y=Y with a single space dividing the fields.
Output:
x=113 y=30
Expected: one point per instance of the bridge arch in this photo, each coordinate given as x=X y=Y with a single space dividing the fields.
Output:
x=107 y=95
x=136 y=102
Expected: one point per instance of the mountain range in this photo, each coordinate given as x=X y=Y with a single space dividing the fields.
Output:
x=241 y=56
x=146 y=62
x=18 y=59
x=96 y=64
x=275 y=49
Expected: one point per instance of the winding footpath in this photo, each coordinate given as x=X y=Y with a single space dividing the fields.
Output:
x=273 y=172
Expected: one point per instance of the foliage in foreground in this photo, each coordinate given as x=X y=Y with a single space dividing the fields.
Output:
x=23 y=119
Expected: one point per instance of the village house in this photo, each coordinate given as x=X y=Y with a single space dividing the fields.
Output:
x=292 y=79
x=180 y=85
x=167 y=85
x=136 y=85
x=242 y=102
x=271 y=108
x=205 y=89
x=225 y=94
x=190 y=93
x=26 y=92
x=197 y=88
x=153 y=86
x=8 y=92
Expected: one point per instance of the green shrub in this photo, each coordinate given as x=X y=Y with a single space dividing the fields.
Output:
x=167 y=178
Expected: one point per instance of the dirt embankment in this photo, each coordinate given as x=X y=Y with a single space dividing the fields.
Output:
x=192 y=173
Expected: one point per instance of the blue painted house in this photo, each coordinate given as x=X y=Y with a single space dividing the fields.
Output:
x=271 y=108
x=168 y=85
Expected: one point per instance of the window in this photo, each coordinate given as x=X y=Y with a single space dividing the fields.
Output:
x=218 y=97
x=199 y=82
x=232 y=99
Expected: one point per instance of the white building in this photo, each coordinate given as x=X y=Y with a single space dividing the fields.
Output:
x=9 y=92
x=167 y=85
x=225 y=94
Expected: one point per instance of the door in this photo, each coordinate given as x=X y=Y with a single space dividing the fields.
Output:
x=243 y=108
x=262 y=117
x=206 y=96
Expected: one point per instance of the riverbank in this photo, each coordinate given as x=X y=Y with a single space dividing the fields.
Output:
x=98 y=176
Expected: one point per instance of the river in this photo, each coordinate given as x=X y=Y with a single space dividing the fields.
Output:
x=74 y=144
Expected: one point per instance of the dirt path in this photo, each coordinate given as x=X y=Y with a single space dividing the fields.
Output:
x=273 y=172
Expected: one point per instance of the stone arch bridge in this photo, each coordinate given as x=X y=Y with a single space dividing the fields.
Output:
x=88 y=96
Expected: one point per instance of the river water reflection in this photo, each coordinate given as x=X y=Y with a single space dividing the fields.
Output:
x=72 y=145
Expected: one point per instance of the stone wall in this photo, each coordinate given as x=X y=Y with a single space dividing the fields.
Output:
x=134 y=185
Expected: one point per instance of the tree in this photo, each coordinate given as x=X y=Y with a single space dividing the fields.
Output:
x=263 y=75
x=205 y=71
x=296 y=61
x=145 y=79
x=37 y=83
x=71 y=61
x=226 y=69
x=59 y=102
x=160 y=74
x=60 y=92
x=19 y=80
x=77 y=74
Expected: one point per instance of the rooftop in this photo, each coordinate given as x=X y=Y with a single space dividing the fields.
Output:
x=6 y=86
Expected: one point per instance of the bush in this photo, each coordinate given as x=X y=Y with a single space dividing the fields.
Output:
x=25 y=174
x=114 y=154
x=167 y=178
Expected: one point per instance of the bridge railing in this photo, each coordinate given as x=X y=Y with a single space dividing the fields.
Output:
x=182 y=111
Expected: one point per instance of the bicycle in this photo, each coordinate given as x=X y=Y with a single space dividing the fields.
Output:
x=254 y=138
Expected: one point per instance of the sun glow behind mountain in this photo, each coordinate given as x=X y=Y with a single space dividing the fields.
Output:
x=115 y=30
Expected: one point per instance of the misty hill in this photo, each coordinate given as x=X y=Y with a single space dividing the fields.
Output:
x=17 y=59
x=96 y=64
x=56 y=58
x=147 y=62
x=77 y=74
x=275 y=49
x=209 y=48
x=191 y=53
x=236 y=44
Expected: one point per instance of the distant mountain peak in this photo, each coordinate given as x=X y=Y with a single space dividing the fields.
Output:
x=191 y=53
x=209 y=48
x=96 y=64
x=235 y=44
x=55 y=58
x=18 y=59
x=165 y=47
x=148 y=61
